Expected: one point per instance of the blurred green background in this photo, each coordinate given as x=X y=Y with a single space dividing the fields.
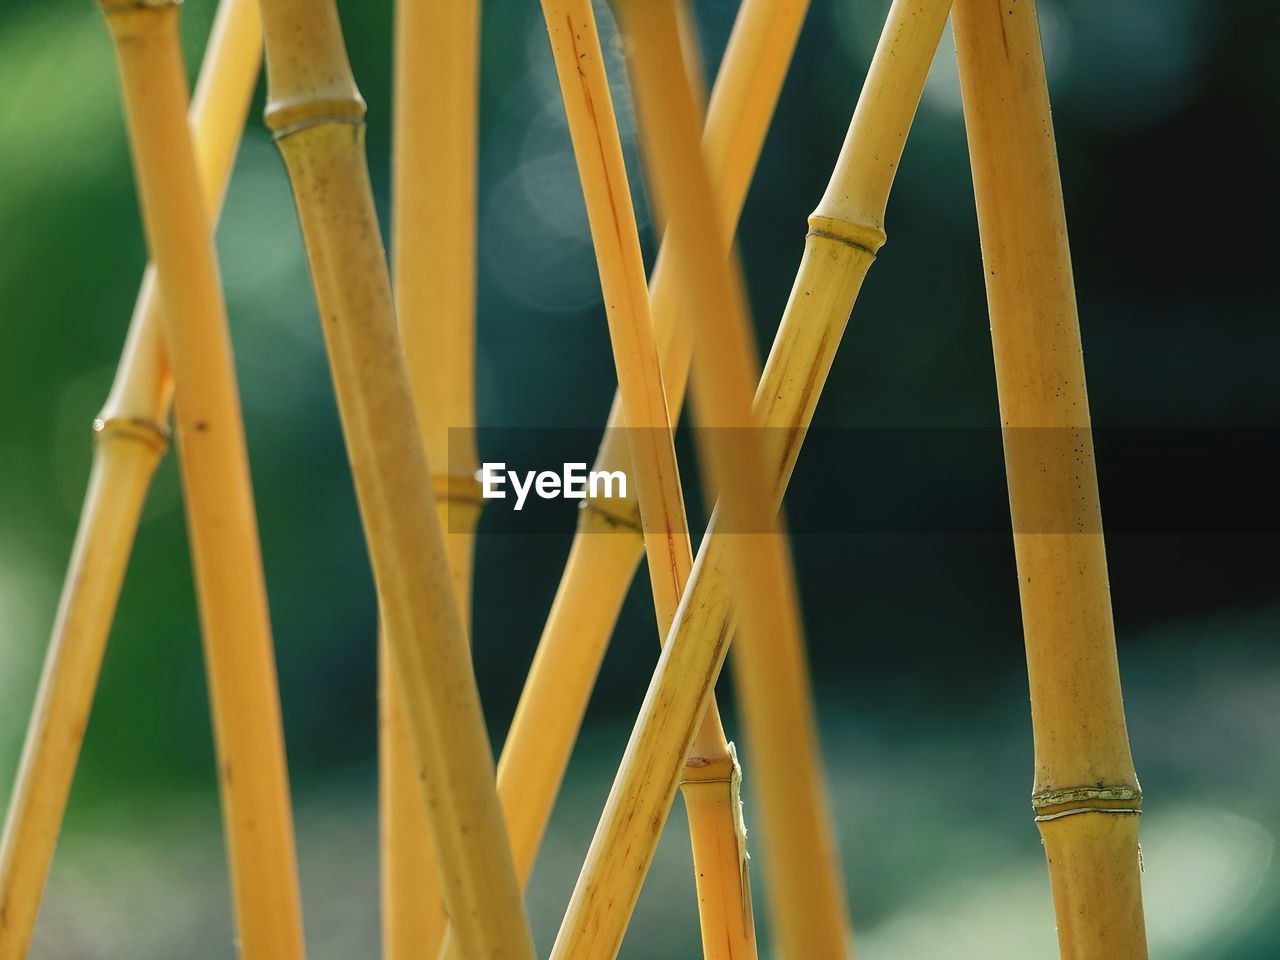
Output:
x=1165 y=113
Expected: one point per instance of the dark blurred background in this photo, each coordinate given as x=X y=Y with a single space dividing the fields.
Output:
x=1165 y=112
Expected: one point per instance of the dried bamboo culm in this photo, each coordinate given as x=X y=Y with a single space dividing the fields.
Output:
x=845 y=232
x=805 y=882
x=433 y=266
x=317 y=116
x=130 y=437
x=1086 y=794
x=219 y=499
x=608 y=546
x=718 y=835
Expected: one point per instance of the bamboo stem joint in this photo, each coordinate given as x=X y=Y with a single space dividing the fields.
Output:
x=146 y=431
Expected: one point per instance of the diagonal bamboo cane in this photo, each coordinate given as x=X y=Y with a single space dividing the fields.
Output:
x=433 y=251
x=317 y=116
x=608 y=545
x=1086 y=793
x=805 y=878
x=219 y=498
x=131 y=435
x=719 y=839
x=612 y=876
x=845 y=232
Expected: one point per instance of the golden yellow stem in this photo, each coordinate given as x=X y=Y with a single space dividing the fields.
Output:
x=608 y=545
x=808 y=892
x=845 y=233
x=575 y=46
x=219 y=498
x=727 y=922
x=433 y=251
x=318 y=119
x=130 y=437
x=1086 y=793
x=691 y=55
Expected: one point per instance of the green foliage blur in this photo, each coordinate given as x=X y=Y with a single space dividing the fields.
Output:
x=1165 y=113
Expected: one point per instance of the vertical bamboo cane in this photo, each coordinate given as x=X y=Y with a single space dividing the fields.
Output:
x=608 y=544
x=845 y=232
x=219 y=499
x=1086 y=793
x=805 y=879
x=130 y=438
x=318 y=119
x=433 y=251
x=719 y=844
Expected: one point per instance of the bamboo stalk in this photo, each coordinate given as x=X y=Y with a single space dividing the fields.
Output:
x=219 y=499
x=131 y=435
x=433 y=250
x=607 y=890
x=1086 y=793
x=137 y=409
x=804 y=877
x=130 y=438
x=845 y=232
x=318 y=119
x=608 y=545
x=719 y=843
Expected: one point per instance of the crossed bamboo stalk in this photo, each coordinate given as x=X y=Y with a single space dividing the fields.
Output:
x=459 y=842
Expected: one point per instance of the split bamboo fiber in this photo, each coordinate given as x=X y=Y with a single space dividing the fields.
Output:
x=608 y=545
x=1086 y=794
x=219 y=499
x=718 y=837
x=845 y=232
x=131 y=435
x=806 y=886
x=433 y=241
x=318 y=119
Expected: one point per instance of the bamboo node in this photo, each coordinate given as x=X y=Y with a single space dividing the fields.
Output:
x=1046 y=817
x=1116 y=792
x=627 y=518
x=117 y=6
x=1104 y=798
x=716 y=769
x=141 y=429
x=459 y=488
x=860 y=236
x=287 y=117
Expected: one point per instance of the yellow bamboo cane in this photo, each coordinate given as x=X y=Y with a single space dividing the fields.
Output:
x=317 y=116
x=845 y=232
x=805 y=880
x=219 y=499
x=433 y=253
x=608 y=544
x=607 y=890
x=1086 y=793
x=131 y=435
x=719 y=842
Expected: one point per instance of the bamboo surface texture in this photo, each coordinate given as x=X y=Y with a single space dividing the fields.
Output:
x=317 y=116
x=1086 y=793
x=219 y=499
x=608 y=546
x=433 y=249
x=130 y=437
x=845 y=232
x=719 y=842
